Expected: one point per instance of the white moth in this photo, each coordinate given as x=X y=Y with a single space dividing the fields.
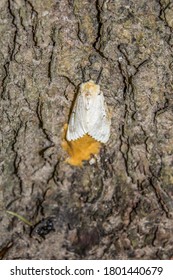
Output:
x=89 y=114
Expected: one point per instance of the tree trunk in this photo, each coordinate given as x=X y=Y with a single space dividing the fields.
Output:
x=121 y=206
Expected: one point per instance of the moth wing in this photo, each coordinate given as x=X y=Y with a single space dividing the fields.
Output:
x=98 y=119
x=77 y=126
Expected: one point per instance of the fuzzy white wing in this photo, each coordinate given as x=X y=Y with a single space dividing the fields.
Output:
x=98 y=119
x=77 y=126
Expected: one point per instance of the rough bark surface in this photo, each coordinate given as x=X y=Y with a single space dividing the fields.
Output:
x=121 y=207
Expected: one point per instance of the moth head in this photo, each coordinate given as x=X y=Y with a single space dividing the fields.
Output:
x=90 y=88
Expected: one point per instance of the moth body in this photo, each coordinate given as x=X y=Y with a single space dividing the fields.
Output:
x=89 y=115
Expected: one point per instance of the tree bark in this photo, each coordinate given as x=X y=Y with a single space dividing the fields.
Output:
x=121 y=206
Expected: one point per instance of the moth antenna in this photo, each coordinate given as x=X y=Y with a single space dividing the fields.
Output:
x=99 y=75
x=83 y=74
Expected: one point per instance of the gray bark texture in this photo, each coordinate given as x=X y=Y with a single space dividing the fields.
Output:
x=120 y=207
